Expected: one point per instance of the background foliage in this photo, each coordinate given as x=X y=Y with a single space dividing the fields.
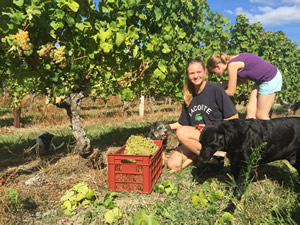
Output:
x=126 y=46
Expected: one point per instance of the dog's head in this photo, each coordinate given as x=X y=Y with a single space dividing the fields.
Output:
x=223 y=135
x=46 y=138
x=211 y=140
x=159 y=131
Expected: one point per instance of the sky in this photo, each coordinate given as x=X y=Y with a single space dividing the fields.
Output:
x=274 y=15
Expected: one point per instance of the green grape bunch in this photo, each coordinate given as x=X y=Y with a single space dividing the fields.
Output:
x=139 y=145
x=58 y=56
x=45 y=49
x=21 y=41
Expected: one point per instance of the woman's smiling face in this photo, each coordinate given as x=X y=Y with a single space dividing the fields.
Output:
x=196 y=73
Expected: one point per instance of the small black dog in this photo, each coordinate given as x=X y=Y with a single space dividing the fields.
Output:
x=44 y=144
x=291 y=107
x=238 y=137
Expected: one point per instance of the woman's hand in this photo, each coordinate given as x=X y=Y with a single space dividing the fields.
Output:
x=224 y=83
x=175 y=125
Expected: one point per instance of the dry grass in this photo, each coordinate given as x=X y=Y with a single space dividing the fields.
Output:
x=62 y=170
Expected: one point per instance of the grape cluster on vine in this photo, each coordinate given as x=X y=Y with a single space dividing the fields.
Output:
x=21 y=41
x=57 y=54
x=139 y=145
x=45 y=49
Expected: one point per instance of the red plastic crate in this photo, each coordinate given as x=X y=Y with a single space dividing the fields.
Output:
x=137 y=173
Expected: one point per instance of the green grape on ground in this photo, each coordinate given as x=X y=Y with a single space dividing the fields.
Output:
x=139 y=145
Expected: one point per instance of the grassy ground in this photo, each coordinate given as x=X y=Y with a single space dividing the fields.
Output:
x=195 y=195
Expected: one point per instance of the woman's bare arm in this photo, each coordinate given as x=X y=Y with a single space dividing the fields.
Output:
x=232 y=72
x=175 y=125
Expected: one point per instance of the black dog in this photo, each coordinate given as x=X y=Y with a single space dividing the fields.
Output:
x=45 y=145
x=238 y=137
x=291 y=107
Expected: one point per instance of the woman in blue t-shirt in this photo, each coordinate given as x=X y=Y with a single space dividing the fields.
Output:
x=204 y=102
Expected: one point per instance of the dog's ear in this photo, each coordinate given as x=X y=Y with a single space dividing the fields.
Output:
x=46 y=137
x=228 y=130
x=212 y=134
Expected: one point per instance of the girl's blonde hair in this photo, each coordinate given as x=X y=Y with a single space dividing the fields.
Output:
x=189 y=90
x=216 y=59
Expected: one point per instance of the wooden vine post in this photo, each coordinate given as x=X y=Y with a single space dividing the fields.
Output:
x=17 y=116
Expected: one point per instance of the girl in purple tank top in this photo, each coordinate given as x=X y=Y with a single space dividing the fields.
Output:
x=248 y=66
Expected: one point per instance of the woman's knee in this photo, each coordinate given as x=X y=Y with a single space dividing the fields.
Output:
x=262 y=115
x=174 y=161
x=181 y=133
x=251 y=112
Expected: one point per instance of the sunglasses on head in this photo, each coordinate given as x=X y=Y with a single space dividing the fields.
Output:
x=197 y=59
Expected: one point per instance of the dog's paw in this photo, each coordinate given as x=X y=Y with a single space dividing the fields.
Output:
x=230 y=208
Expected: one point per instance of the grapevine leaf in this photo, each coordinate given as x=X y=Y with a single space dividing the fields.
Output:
x=157 y=13
x=80 y=26
x=120 y=37
x=66 y=205
x=79 y=197
x=67 y=195
x=162 y=67
x=143 y=218
x=212 y=209
x=166 y=48
x=107 y=47
x=149 y=47
x=112 y=215
x=226 y=218
x=142 y=16
x=195 y=199
x=157 y=73
x=74 y=6
x=18 y=2
x=70 y=20
x=130 y=13
x=215 y=195
x=90 y=194
x=126 y=95
x=81 y=188
x=135 y=51
x=203 y=201
x=149 y=6
x=68 y=212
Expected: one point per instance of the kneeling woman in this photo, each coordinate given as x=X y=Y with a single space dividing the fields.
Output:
x=204 y=102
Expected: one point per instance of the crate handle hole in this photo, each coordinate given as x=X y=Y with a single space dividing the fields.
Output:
x=128 y=161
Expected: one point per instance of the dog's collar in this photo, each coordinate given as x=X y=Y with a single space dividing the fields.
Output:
x=199 y=127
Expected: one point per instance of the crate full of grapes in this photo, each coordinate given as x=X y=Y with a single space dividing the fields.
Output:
x=136 y=166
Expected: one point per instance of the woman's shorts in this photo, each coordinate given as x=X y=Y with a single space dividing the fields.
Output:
x=271 y=86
